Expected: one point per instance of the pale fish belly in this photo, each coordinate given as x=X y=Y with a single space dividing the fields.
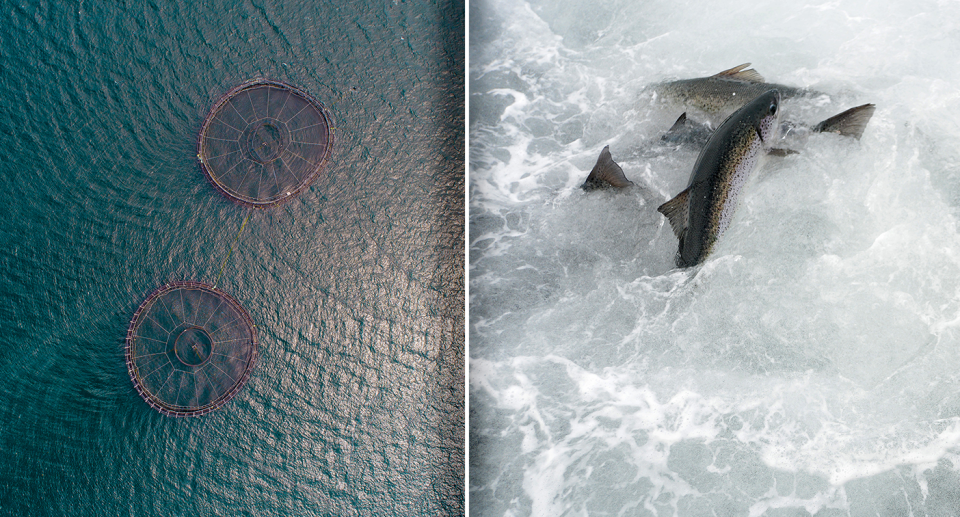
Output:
x=750 y=162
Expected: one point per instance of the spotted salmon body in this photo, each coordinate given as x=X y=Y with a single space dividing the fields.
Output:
x=703 y=211
x=719 y=95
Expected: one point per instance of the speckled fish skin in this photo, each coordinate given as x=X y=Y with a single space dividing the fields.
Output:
x=721 y=94
x=703 y=211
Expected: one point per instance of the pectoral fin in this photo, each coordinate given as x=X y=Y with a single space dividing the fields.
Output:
x=777 y=151
x=676 y=211
x=606 y=173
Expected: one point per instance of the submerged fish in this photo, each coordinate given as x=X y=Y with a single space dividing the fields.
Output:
x=702 y=211
x=721 y=94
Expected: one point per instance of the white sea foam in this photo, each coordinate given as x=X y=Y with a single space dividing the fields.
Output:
x=811 y=364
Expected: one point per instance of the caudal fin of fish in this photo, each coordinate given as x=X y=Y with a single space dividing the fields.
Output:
x=849 y=123
x=738 y=73
x=606 y=173
x=676 y=211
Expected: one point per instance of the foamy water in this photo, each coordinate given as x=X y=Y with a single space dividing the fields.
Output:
x=810 y=366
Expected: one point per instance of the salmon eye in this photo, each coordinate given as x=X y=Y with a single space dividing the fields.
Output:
x=773 y=108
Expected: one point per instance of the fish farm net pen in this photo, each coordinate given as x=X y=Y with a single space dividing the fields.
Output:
x=264 y=142
x=190 y=348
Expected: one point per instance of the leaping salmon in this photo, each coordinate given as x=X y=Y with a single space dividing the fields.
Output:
x=703 y=211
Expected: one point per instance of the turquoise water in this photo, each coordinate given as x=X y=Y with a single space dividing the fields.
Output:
x=356 y=404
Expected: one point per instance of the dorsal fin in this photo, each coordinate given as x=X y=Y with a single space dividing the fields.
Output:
x=849 y=123
x=740 y=74
x=681 y=121
x=606 y=173
x=676 y=211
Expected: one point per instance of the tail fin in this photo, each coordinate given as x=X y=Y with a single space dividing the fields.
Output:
x=677 y=210
x=606 y=173
x=849 y=123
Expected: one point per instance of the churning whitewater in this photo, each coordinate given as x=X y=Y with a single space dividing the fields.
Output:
x=810 y=365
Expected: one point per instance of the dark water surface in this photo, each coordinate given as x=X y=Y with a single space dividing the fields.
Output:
x=356 y=404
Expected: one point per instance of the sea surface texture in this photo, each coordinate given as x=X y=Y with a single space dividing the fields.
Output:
x=811 y=365
x=355 y=406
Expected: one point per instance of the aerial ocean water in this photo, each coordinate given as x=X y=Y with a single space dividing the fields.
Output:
x=811 y=366
x=356 y=287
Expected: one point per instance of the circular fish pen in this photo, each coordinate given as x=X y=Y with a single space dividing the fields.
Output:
x=190 y=348
x=264 y=142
